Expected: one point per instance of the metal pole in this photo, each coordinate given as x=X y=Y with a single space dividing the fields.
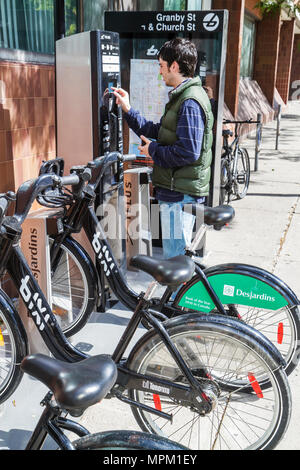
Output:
x=278 y=126
x=258 y=140
x=59 y=19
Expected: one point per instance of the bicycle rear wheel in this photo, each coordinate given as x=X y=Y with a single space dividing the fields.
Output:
x=243 y=416
x=242 y=177
x=125 y=440
x=281 y=327
x=74 y=288
x=224 y=183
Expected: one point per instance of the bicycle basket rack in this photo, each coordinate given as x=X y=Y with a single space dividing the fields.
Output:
x=54 y=198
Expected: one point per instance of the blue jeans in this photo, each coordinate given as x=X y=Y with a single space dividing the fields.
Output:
x=176 y=226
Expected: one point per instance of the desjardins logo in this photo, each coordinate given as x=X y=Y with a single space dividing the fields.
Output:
x=232 y=291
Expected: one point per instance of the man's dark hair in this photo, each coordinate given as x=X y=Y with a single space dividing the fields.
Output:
x=182 y=51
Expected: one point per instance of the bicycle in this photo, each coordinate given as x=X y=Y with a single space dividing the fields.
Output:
x=73 y=388
x=242 y=291
x=235 y=165
x=190 y=372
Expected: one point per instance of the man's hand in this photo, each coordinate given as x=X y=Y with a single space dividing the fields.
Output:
x=144 y=148
x=122 y=98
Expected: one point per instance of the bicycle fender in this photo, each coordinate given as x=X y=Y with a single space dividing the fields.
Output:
x=228 y=324
x=237 y=284
x=7 y=305
x=86 y=260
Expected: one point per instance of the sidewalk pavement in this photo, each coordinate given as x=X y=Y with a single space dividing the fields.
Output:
x=265 y=233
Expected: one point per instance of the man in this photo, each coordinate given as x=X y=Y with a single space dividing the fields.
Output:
x=183 y=139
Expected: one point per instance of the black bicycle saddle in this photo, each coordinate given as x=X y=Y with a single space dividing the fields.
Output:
x=218 y=216
x=170 y=272
x=75 y=386
x=227 y=133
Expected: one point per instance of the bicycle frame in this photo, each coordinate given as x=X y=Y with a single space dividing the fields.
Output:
x=50 y=423
x=232 y=149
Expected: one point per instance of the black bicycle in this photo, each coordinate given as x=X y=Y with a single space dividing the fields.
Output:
x=235 y=165
x=73 y=389
x=205 y=381
x=245 y=292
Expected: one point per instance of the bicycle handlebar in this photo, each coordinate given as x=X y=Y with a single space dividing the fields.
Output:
x=70 y=180
x=5 y=200
x=100 y=165
x=249 y=121
x=29 y=191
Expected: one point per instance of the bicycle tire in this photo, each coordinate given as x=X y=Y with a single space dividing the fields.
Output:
x=13 y=348
x=126 y=440
x=238 y=424
x=286 y=319
x=74 y=288
x=224 y=181
x=245 y=174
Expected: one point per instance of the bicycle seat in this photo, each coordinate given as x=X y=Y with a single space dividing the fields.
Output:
x=75 y=386
x=227 y=133
x=218 y=216
x=171 y=272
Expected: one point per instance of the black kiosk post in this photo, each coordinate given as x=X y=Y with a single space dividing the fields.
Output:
x=141 y=36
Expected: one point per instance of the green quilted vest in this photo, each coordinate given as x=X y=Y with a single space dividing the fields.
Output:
x=194 y=178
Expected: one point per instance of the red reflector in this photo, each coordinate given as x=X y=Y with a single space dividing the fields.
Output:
x=280 y=333
x=255 y=385
x=157 y=402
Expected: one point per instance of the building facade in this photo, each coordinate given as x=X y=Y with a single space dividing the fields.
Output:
x=262 y=70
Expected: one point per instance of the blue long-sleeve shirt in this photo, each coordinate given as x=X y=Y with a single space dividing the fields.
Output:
x=186 y=149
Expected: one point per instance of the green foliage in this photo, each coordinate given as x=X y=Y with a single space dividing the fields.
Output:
x=274 y=6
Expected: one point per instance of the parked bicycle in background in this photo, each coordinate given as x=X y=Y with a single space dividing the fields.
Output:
x=235 y=165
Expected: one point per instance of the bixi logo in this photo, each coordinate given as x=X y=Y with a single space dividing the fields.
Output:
x=34 y=304
x=228 y=290
x=103 y=254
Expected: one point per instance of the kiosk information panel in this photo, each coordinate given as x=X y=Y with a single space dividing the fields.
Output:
x=141 y=36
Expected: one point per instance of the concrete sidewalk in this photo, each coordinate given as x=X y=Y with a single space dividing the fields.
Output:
x=265 y=233
x=266 y=228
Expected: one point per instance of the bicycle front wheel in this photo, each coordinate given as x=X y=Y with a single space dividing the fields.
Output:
x=125 y=440
x=242 y=176
x=74 y=288
x=12 y=350
x=243 y=416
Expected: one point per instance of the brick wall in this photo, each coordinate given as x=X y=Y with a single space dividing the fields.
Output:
x=266 y=54
x=235 y=38
x=27 y=121
x=295 y=70
x=285 y=59
x=250 y=7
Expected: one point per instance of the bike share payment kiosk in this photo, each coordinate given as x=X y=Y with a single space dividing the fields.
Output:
x=141 y=36
x=89 y=123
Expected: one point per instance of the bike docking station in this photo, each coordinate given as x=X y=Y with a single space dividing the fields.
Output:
x=142 y=34
x=35 y=246
x=137 y=202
